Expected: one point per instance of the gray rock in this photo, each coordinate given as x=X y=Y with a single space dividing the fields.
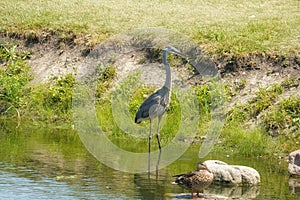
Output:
x=294 y=163
x=233 y=174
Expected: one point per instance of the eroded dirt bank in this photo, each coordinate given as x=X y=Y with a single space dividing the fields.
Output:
x=57 y=55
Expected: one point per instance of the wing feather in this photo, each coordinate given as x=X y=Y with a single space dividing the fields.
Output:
x=155 y=104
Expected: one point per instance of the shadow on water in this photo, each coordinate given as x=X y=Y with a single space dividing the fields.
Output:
x=52 y=163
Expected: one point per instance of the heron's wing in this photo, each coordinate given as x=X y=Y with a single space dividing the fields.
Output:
x=152 y=100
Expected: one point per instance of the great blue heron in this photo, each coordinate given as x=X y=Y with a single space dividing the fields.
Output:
x=155 y=105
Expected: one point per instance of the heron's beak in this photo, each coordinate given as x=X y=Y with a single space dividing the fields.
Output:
x=176 y=51
x=173 y=50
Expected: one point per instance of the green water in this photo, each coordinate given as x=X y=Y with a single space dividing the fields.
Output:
x=52 y=163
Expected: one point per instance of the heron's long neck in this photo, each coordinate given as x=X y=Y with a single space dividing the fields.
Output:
x=168 y=71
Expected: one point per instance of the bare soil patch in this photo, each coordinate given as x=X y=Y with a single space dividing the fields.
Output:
x=54 y=55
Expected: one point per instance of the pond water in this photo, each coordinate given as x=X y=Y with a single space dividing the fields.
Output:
x=52 y=163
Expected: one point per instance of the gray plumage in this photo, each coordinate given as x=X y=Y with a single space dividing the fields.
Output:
x=156 y=104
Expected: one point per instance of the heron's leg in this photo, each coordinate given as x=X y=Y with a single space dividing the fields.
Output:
x=150 y=136
x=149 y=146
x=157 y=133
x=149 y=165
x=157 y=164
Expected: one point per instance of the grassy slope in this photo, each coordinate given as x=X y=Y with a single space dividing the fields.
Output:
x=220 y=26
x=229 y=25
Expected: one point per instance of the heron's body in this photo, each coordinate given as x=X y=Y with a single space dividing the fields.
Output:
x=195 y=181
x=156 y=104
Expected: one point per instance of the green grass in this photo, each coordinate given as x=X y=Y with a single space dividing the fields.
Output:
x=13 y=78
x=235 y=140
x=284 y=117
x=264 y=125
x=237 y=137
x=51 y=102
x=220 y=26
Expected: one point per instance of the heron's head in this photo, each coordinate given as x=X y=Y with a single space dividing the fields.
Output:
x=171 y=49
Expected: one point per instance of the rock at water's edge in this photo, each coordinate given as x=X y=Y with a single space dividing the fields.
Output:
x=294 y=163
x=233 y=174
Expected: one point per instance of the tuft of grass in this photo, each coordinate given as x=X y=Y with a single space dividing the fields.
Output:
x=265 y=97
x=203 y=94
x=14 y=75
x=238 y=141
x=274 y=117
x=284 y=116
x=105 y=81
x=290 y=83
x=233 y=90
x=52 y=101
x=59 y=94
x=49 y=102
x=263 y=100
x=287 y=141
x=237 y=114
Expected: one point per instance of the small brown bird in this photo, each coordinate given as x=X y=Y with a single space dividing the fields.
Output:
x=195 y=181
